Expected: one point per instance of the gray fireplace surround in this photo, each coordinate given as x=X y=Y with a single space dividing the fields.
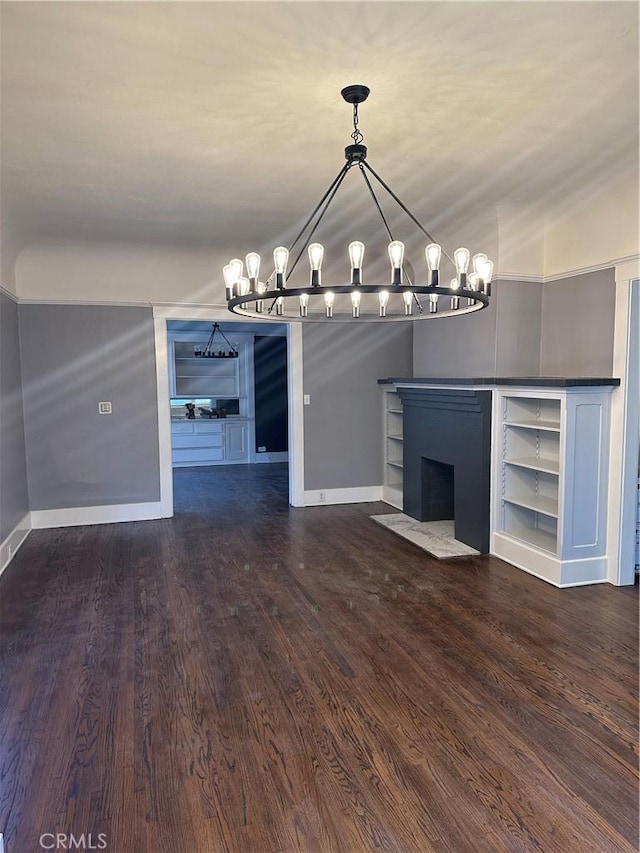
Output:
x=447 y=459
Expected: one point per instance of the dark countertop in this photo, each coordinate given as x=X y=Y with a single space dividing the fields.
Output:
x=528 y=381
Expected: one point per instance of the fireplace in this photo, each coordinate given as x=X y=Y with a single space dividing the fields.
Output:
x=447 y=460
x=438 y=488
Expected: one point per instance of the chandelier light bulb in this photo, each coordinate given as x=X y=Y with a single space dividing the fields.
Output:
x=473 y=280
x=432 y=254
x=478 y=261
x=356 y=256
x=237 y=266
x=304 y=303
x=260 y=288
x=316 y=253
x=433 y=303
x=280 y=260
x=252 y=262
x=279 y=306
x=396 y=256
x=383 y=298
x=461 y=258
x=243 y=286
x=355 y=303
x=408 y=302
x=229 y=273
x=328 y=302
x=455 y=300
x=487 y=276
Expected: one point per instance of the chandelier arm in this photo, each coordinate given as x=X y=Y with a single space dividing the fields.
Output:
x=405 y=208
x=211 y=336
x=377 y=204
x=337 y=180
x=229 y=344
x=331 y=192
x=386 y=225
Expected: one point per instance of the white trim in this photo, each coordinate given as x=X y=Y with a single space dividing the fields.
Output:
x=354 y=495
x=296 y=415
x=271 y=456
x=9 y=548
x=9 y=293
x=616 y=262
x=631 y=261
x=518 y=277
x=625 y=427
x=164 y=416
x=112 y=514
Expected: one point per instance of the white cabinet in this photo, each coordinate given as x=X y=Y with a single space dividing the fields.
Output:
x=193 y=376
x=235 y=445
x=550 y=455
x=208 y=442
x=393 y=447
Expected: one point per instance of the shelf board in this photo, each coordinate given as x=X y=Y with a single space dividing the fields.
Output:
x=395 y=411
x=547 y=426
x=546 y=506
x=537 y=538
x=536 y=463
x=394 y=464
x=396 y=437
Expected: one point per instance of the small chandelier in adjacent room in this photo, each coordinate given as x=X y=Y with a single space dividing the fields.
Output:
x=219 y=350
x=399 y=298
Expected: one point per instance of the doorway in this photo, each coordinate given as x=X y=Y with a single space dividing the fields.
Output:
x=166 y=322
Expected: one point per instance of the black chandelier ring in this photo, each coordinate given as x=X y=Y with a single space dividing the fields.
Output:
x=271 y=304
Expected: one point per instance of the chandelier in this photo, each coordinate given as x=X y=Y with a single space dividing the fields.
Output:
x=399 y=298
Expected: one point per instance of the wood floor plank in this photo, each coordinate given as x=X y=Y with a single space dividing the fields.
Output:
x=251 y=678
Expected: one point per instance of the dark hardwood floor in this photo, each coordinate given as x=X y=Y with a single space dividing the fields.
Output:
x=251 y=678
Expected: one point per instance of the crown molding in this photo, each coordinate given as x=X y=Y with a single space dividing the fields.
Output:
x=593 y=268
x=8 y=293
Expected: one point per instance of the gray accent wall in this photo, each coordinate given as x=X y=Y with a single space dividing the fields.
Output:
x=455 y=346
x=503 y=339
x=73 y=357
x=343 y=424
x=518 y=328
x=578 y=315
x=14 y=500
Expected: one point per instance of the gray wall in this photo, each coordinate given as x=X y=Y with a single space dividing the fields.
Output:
x=577 y=325
x=518 y=328
x=343 y=424
x=501 y=339
x=74 y=357
x=14 y=501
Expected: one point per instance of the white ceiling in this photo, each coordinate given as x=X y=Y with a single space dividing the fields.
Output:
x=221 y=124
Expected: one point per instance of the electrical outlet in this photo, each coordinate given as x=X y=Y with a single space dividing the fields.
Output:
x=323 y=497
x=104 y=408
x=262 y=450
x=306 y=399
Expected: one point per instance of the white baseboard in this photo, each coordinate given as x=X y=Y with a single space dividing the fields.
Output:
x=75 y=516
x=14 y=540
x=280 y=456
x=355 y=495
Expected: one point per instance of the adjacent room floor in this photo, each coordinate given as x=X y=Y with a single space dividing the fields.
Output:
x=251 y=678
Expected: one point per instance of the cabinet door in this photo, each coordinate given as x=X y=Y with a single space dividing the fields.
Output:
x=235 y=441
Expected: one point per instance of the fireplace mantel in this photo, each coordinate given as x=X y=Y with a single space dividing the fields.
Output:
x=484 y=381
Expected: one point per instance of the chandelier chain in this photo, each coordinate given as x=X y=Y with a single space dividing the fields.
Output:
x=357 y=134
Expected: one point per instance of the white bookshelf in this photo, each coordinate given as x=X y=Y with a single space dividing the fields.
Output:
x=550 y=455
x=393 y=446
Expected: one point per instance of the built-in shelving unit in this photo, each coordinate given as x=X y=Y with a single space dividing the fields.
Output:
x=549 y=460
x=203 y=377
x=393 y=447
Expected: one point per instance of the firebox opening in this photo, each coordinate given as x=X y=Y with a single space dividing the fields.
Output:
x=438 y=490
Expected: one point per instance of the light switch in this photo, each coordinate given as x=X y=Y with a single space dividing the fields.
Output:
x=306 y=399
x=104 y=408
